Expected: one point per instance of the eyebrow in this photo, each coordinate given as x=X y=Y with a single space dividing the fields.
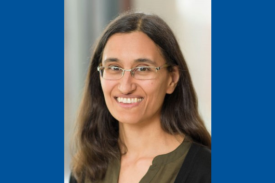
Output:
x=145 y=60
x=110 y=60
x=139 y=60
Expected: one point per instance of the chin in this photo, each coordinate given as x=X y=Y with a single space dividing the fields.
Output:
x=130 y=120
x=129 y=116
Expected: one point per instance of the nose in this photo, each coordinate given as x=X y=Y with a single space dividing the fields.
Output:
x=126 y=84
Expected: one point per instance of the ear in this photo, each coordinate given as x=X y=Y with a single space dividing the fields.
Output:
x=173 y=80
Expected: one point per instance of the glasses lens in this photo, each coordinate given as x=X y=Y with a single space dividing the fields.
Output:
x=111 y=72
x=145 y=72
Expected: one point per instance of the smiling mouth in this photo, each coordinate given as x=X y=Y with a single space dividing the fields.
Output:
x=128 y=100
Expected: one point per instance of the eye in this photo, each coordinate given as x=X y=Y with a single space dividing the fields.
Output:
x=143 y=69
x=113 y=68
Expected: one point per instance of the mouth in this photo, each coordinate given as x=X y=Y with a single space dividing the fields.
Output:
x=128 y=100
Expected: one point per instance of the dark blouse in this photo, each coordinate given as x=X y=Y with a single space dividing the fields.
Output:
x=165 y=168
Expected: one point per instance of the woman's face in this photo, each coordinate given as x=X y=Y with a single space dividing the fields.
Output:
x=130 y=100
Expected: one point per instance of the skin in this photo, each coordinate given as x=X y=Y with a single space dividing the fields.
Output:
x=139 y=123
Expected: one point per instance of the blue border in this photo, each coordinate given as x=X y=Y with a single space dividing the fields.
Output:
x=32 y=91
x=243 y=91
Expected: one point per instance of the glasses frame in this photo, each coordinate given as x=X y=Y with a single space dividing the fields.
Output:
x=132 y=71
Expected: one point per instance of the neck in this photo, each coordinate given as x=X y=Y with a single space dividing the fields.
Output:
x=147 y=140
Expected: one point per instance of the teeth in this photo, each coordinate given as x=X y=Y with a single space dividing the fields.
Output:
x=128 y=100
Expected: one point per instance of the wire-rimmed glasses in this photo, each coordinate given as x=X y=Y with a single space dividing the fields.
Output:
x=140 y=72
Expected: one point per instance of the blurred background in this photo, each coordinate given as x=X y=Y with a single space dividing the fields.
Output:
x=86 y=19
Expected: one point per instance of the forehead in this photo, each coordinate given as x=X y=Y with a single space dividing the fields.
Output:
x=130 y=47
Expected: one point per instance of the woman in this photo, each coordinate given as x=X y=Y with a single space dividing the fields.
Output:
x=139 y=118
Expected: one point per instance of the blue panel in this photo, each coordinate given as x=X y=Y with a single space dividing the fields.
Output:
x=243 y=91
x=32 y=91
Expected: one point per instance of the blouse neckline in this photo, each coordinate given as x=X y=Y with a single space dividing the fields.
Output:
x=164 y=159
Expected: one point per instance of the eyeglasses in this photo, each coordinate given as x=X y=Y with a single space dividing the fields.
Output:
x=141 y=72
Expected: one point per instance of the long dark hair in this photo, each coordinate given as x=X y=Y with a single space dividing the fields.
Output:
x=97 y=138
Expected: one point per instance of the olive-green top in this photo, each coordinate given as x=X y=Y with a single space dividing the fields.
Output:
x=164 y=168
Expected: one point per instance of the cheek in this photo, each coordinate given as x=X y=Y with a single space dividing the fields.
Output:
x=155 y=90
x=159 y=86
x=107 y=87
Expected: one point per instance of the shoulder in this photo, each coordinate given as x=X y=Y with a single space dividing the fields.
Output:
x=200 y=167
x=196 y=167
x=201 y=156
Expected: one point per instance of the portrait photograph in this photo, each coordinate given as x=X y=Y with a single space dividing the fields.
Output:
x=137 y=91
